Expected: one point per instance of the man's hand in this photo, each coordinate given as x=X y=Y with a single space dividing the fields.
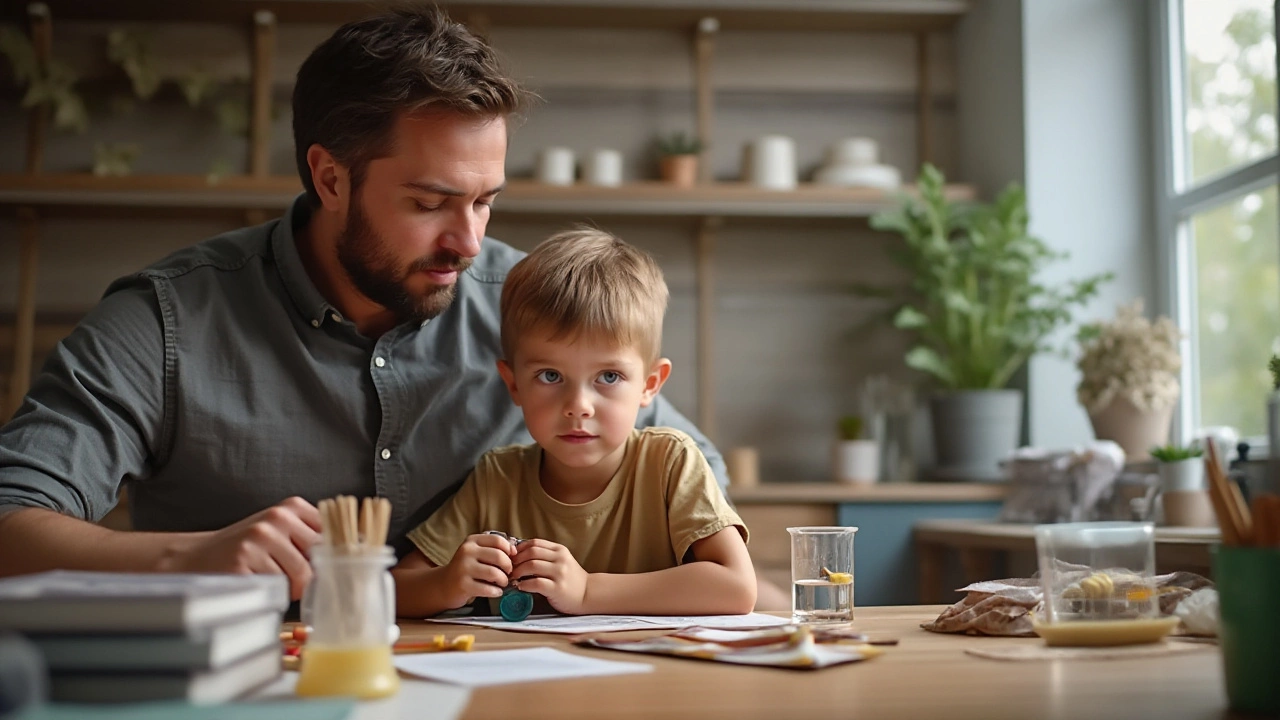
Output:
x=550 y=570
x=479 y=568
x=276 y=540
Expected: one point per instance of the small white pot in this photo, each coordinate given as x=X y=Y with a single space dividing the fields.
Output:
x=857 y=461
x=1182 y=476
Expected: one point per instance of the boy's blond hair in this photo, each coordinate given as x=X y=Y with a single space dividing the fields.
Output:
x=586 y=282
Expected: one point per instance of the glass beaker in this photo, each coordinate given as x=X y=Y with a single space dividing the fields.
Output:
x=351 y=604
x=822 y=574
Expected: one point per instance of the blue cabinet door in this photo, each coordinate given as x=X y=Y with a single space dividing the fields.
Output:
x=884 y=557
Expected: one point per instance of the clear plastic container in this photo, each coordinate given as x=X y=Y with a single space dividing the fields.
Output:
x=350 y=606
x=822 y=574
x=1099 y=584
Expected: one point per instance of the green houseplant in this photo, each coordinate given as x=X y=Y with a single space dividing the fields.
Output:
x=979 y=311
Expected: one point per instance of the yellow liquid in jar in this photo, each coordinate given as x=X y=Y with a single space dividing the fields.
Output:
x=361 y=672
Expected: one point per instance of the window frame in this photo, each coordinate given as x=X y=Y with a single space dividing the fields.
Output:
x=1178 y=200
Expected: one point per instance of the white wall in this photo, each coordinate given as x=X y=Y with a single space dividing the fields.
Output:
x=1089 y=171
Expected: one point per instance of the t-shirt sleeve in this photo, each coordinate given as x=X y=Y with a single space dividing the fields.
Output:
x=696 y=507
x=459 y=518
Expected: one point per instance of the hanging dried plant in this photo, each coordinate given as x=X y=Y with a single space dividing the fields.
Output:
x=196 y=85
x=52 y=86
x=114 y=159
x=132 y=52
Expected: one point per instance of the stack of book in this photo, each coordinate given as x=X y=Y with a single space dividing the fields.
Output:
x=118 y=637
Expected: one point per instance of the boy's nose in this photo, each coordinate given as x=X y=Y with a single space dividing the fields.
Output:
x=577 y=406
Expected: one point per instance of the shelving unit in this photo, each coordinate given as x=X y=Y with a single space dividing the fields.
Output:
x=253 y=196
x=51 y=193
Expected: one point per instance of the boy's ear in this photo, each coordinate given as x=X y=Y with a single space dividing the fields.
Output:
x=656 y=378
x=509 y=379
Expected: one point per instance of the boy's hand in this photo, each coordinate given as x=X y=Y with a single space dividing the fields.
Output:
x=479 y=568
x=550 y=570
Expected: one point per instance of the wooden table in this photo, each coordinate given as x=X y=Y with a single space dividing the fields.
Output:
x=979 y=542
x=926 y=675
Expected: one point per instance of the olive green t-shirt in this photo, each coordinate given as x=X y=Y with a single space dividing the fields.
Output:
x=662 y=500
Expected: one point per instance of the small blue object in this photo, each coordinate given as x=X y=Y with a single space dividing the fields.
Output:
x=515 y=605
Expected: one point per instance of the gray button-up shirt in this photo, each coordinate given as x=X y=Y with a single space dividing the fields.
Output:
x=219 y=381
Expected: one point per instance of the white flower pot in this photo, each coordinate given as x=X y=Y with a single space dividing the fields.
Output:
x=1182 y=476
x=857 y=461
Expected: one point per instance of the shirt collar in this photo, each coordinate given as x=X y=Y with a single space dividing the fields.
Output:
x=314 y=308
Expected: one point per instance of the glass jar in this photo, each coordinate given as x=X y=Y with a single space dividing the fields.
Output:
x=349 y=606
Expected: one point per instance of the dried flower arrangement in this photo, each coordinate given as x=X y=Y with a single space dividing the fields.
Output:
x=1130 y=357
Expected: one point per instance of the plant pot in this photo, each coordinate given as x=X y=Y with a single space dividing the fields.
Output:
x=1188 y=508
x=1182 y=475
x=680 y=170
x=1135 y=430
x=857 y=461
x=973 y=431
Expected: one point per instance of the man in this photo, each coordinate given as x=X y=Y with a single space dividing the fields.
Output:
x=348 y=347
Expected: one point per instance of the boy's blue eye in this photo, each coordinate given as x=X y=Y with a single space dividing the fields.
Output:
x=610 y=377
x=547 y=376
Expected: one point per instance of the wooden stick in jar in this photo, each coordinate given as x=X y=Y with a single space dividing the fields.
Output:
x=1223 y=503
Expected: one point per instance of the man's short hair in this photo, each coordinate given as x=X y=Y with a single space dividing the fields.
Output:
x=587 y=283
x=354 y=85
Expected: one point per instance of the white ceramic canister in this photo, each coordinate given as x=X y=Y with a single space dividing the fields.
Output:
x=555 y=166
x=773 y=162
x=603 y=167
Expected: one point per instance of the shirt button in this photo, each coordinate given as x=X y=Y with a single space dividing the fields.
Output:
x=336 y=317
x=379 y=361
x=315 y=323
x=386 y=454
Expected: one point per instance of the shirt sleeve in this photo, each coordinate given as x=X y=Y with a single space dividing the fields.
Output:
x=95 y=415
x=440 y=536
x=661 y=413
x=696 y=507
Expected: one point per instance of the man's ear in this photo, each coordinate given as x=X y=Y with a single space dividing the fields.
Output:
x=330 y=178
x=653 y=382
x=509 y=379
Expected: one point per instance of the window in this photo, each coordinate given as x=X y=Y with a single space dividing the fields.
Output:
x=1217 y=208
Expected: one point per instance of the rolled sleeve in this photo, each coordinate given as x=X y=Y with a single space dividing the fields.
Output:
x=94 y=416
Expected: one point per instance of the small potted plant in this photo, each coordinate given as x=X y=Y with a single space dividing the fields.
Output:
x=857 y=458
x=1129 y=379
x=679 y=158
x=1183 y=494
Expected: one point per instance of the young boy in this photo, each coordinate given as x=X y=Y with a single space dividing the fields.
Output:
x=618 y=520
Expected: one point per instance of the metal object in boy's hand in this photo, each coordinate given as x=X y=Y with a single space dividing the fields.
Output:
x=515 y=604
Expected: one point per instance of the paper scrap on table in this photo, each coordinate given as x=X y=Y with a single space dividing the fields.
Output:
x=503 y=667
x=575 y=624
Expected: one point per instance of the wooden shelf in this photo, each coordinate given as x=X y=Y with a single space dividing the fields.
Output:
x=82 y=191
x=795 y=15
x=833 y=492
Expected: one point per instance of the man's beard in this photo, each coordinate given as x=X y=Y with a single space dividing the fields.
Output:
x=373 y=271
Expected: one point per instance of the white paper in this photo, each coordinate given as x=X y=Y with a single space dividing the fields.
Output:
x=447 y=702
x=575 y=624
x=503 y=667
